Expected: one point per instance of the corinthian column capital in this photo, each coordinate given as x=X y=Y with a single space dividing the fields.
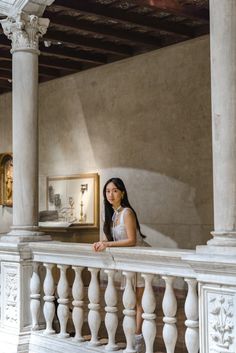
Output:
x=24 y=31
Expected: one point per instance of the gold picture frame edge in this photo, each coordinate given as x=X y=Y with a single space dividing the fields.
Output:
x=2 y=156
x=96 y=178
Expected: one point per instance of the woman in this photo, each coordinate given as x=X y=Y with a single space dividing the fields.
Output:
x=121 y=228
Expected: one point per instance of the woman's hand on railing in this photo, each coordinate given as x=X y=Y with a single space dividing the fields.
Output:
x=100 y=246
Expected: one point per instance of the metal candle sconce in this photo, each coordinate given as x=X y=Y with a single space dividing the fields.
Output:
x=83 y=188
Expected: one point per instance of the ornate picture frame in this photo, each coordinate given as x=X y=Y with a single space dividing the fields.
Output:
x=75 y=200
x=6 y=179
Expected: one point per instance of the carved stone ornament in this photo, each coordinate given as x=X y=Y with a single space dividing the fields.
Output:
x=221 y=322
x=24 y=31
x=11 y=297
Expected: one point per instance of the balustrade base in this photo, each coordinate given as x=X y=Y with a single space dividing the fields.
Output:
x=39 y=343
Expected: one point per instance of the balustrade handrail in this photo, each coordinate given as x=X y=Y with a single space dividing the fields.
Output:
x=161 y=261
x=167 y=264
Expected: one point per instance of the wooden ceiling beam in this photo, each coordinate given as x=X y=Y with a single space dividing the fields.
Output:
x=124 y=16
x=205 y=29
x=6 y=71
x=4 y=75
x=3 y=91
x=112 y=33
x=174 y=7
x=5 y=65
x=6 y=56
x=52 y=72
x=45 y=75
x=86 y=42
x=57 y=66
x=74 y=55
x=61 y=64
x=4 y=42
x=5 y=84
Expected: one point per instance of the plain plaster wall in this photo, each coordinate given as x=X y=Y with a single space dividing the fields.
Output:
x=146 y=119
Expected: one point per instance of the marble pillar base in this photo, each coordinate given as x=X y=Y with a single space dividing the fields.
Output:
x=216 y=250
x=25 y=234
x=223 y=239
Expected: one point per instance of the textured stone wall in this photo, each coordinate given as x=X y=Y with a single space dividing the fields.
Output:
x=146 y=119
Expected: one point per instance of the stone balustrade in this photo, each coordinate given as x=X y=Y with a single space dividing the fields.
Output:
x=57 y=298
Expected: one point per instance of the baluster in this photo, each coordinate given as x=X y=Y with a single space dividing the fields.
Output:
x=129 y=322
x=111 y=318
x=169 y=306
x=94 y=316
x=191 y=311
x=63 y=301
x=78 y=295
x=149 y=305
x=35 y=297
x=49 y=305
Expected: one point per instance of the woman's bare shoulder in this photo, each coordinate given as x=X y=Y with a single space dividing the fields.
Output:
x=128 y=212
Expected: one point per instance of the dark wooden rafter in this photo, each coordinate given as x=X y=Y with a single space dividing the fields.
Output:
x=64 y=65
x=5 y=54
x=84 y=34
x=5 y=65
x=76 y=55
x=82 y=41
x=103 y=29
x=4 y=75
x=45 y=76
x=124 y=16
x=59 y=64
x=5 y=84
x=177 y=8
x=4 y=42
x=50 y=72
x=73 y=54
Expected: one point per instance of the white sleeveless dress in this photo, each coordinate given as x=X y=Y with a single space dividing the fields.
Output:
x=119 y=233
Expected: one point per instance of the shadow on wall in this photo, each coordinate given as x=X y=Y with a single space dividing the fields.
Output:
x=157 y=239
x=165 y=207
x=5 y=219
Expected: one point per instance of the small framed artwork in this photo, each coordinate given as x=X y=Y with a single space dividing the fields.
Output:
x=73 y=200
x=6 y=179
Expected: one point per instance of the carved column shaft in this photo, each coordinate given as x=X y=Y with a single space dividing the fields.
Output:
x=24 y=32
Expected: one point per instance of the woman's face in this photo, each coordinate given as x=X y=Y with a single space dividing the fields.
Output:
x=113 y=195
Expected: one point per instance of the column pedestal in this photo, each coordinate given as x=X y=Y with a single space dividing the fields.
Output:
x=15 y=254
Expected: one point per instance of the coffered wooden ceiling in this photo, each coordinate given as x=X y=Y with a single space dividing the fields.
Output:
x=89 y=33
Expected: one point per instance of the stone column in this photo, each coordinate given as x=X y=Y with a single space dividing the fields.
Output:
x=223 y=83
x=24 y=31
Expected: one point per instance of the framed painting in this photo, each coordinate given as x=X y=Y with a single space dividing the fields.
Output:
x=74 y=200
x=6 y=179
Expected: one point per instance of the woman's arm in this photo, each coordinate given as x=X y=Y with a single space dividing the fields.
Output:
x=130 y=226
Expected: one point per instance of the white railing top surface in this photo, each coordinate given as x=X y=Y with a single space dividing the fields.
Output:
x=137 y=259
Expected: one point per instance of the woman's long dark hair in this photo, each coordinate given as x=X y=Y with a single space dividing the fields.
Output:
x=109 y=209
